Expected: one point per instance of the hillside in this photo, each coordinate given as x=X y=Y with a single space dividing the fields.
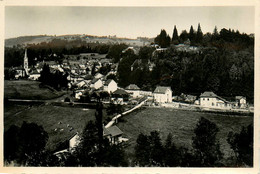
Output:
x=24 y=40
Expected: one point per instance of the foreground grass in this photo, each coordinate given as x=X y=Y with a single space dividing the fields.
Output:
x=180 y=123
x=49 y=117
x=30 y=90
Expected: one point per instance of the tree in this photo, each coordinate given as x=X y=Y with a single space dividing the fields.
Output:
x=114 y=109
x=242 y=144
x=11 y=143
x=206 y=147
x=199 y=35
x=163 y=39
x=175 y=37
x=171 y=153
x=183 y=36
x=191 y=35
x=115 y=52
x=142 y=150
x=26 y=145
x=156 y=149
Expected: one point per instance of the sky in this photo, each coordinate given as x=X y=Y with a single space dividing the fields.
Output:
x=128 y=22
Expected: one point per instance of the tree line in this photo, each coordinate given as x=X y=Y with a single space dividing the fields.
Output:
x=225 y=39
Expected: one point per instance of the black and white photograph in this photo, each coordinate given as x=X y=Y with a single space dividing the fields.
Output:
x=129 y=86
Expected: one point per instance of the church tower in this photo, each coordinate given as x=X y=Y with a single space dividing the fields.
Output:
x=25 y=62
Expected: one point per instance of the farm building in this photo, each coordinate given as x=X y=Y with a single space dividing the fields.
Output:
x=211 y=100
x=113 y=134
x=162 y=94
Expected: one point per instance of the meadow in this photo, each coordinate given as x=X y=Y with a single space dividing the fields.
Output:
x=180 y=124
x=50 y=118
x=29 y=90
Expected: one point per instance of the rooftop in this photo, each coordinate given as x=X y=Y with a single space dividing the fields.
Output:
x=208 y=94
x=161 y=89
x=113 y=131
x=132 y=87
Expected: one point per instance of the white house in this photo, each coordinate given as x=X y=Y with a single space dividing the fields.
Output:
x=96 y=83
x=133 y=90
x=211 y=100
x=110 y=85
x=241 y=101
x=162 y=94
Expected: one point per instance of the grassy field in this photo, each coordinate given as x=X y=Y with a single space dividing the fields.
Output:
x=180 y=123
x=25 y=89
x=49 y=116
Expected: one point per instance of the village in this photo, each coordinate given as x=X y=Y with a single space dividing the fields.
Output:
x=84 y=87
x=81 y=81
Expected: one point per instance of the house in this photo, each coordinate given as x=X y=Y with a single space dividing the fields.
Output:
x=67 y=145
x=120 y=95
x=110 y=86
x=96 y=83
x=133 y=90
x=34 y=75
x=162 y=94
x=211 y=100
x=19 y=72
x=241 y=101
x=98 y=76
x=113 y=134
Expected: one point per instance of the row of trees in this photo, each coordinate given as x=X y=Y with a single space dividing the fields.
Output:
x=56 y=80
x=197 y=38
x=150 y=151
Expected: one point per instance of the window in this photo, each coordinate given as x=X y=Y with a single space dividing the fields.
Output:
x=208 y=99
x=212 y=104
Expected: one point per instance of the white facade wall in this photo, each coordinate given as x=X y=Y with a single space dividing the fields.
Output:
x=74 y=141
x=112 y=86
x=34 y=76
x=163 y=98
x=213 y=102
x=134 y=93
x=98 y=84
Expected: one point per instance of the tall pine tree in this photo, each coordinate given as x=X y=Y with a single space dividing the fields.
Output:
x=175 y=37
x=191 y=35
x=199 y=35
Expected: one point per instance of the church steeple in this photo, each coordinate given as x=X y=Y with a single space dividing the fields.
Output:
x=25 y=62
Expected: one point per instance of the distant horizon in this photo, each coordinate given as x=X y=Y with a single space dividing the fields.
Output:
x=108 y=35
x=124 y=22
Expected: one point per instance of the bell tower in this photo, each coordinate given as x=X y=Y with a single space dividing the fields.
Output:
x=25 y=62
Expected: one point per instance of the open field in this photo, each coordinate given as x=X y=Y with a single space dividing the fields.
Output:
x=30 y=90
x=180 y=123
x=49 y=116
